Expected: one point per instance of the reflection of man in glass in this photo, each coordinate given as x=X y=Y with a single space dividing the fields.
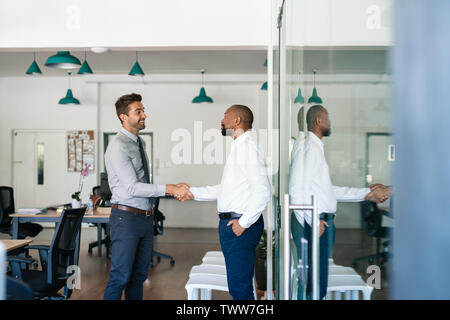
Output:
x=310 y=176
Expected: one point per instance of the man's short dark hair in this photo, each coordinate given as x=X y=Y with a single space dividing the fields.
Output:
x=313 y=113
x=245 y=114
x=124 y=101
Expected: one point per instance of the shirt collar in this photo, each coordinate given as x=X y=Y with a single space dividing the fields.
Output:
x=315 y=138
x=129 y=134
x=243 y=136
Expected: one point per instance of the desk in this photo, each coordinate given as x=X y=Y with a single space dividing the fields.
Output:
x=11 y=245
x=53 y=216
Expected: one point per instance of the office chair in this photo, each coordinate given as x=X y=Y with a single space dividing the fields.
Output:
x=55 y=259
x=158 y=229
x=373 y=217
x=98 y=191
x=17 y=290
x=27 y=229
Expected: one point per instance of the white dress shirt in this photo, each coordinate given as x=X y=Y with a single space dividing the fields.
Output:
x=245 y=186
x=310 y=176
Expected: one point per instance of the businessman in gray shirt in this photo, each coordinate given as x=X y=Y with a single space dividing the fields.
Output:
x=133 y=202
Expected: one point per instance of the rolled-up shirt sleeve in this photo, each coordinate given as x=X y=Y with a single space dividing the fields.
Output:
x=348 y=194
x=118 y=161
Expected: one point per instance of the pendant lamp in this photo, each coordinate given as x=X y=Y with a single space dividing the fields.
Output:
x=202 y=97
x=69 y=99
x=299 y=99
x=63 y=60
x=34 y=68
x=136 y=70
x=85 y=68
x=314 y=98
x=264 y=85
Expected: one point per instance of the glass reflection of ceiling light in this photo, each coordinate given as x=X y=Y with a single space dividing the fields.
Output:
x=314 y=98
x=264 y=85
x=202 y=97
x=299 y=99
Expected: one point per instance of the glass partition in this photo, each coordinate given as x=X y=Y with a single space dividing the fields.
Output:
x=352 y=83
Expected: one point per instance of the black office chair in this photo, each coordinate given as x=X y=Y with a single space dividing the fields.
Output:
x=158 y=229
x=55 y=259
x=373 y=217
x=6 y=208
x=98 y=191
x=17 y=290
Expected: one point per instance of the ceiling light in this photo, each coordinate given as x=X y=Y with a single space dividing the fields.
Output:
x=63 y=60
x=202 y=97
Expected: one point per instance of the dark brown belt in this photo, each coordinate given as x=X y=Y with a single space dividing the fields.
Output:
x=134 y=210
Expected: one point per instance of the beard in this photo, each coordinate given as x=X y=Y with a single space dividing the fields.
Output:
x=327 y=132
x=225 y=132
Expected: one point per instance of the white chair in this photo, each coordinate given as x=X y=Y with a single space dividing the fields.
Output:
x=213 y=254
x=209 y=272
x=214 y=261
x=206 y=283
x=350 y=286
x=336 y=270
x=208 y=269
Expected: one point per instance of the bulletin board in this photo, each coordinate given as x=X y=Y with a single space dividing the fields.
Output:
x=80 y=150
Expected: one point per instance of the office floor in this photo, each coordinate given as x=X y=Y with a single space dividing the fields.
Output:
x=188 y=246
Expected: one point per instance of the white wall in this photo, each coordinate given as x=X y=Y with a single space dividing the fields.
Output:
x=31 y=103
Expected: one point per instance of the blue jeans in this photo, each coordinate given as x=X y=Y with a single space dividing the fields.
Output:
x=239 y=253
x=131 y=248
x=326 y=244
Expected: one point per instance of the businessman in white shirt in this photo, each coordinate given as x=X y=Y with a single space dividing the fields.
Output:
x=310 y=176
x=242 y=195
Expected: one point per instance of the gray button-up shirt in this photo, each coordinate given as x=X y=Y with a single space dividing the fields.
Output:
x=126 y=172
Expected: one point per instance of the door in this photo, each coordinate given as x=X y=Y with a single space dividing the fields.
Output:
x=39 y=166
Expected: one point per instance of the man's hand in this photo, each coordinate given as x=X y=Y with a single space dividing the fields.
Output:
x=180 y=191
x=322 y=226
x=379 y=193
x=237 y=229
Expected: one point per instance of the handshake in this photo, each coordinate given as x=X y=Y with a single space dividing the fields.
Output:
x=179 y=191
x=379 y=193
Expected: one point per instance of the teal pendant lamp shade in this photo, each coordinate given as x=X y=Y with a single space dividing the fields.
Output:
x=314 y=98
x=202 y=97
x=264 y=86
x=34 y=68
x=299 y=98
x=85 y=68
x=63 y=60
x=69 y=99
x=136 y=70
